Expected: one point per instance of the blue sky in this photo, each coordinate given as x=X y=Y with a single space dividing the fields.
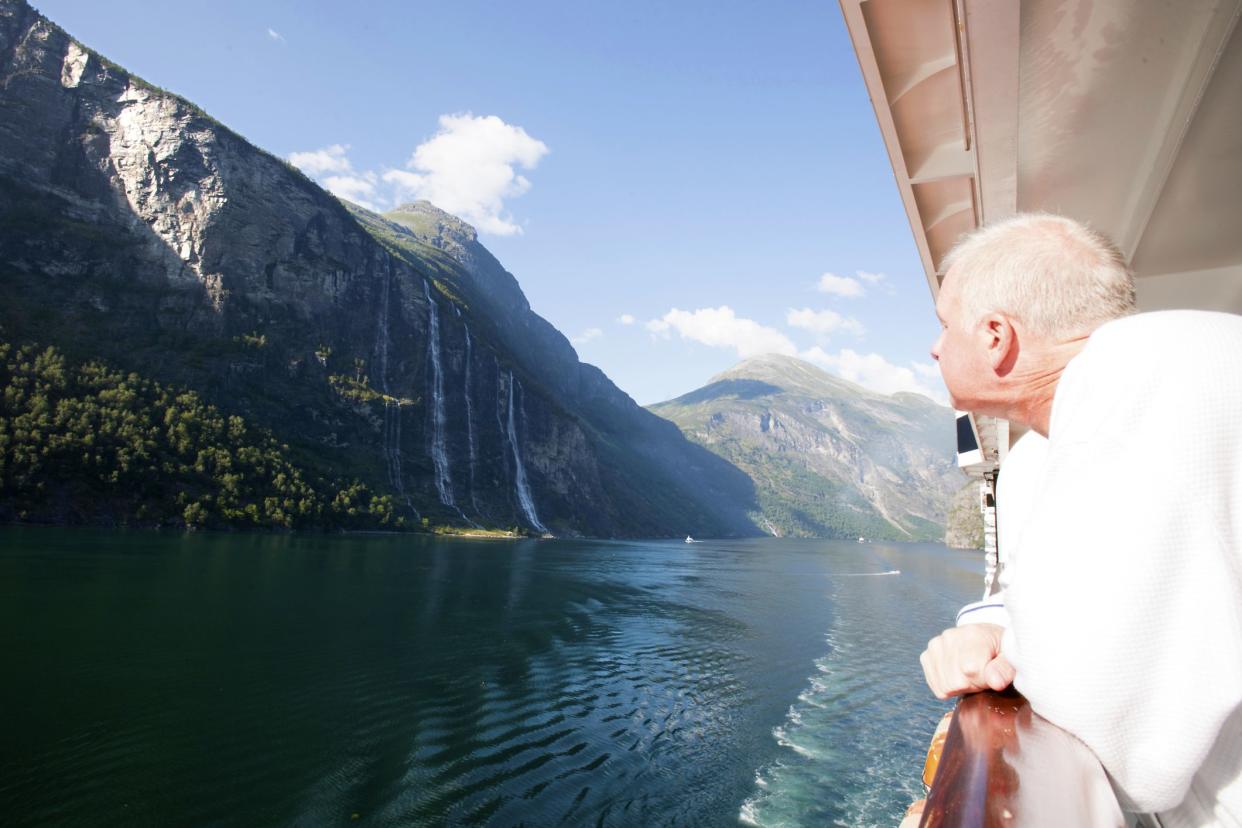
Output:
x=695 y=167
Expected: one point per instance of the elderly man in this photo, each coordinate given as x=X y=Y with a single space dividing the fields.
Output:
x=1125 y=593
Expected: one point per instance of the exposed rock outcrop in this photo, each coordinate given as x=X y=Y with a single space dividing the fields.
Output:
x=964 y=528
x=828 y=457
x=136 y=228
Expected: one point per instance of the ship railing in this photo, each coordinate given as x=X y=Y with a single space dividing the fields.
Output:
x=994 y=762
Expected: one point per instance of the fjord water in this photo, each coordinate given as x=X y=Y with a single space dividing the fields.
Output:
x=248 y=679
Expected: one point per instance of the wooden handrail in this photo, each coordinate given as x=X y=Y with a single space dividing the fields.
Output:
x=1003 y=765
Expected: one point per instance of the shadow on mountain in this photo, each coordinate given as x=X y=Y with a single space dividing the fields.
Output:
x=395 y=352
x=827 y=458
x=737 y=389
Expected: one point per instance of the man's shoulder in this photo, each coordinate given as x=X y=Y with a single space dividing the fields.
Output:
x=1166 y=365
x=1170 y=331
x=1160 y=342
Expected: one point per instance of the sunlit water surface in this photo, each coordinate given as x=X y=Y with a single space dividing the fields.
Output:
x=243 y=679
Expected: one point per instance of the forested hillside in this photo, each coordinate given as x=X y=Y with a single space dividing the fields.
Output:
x=90 y=444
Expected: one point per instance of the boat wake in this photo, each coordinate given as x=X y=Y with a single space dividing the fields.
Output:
x=843 y=757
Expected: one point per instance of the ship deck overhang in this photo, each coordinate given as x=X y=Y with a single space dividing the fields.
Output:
x=1121 y=113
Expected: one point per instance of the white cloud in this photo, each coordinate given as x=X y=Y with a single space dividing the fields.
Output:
x=322 y=161
x=846 y=286
x=877 y=373
x=877 y=280
x=275 y=35
x=360 y=189
x=823 y=323
x=334 y=171
x=469 y=167
x=626 y=319
x=586 y=336
x=927 y=369
x=722 y=328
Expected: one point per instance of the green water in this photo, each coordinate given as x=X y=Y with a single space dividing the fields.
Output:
x=264 y=680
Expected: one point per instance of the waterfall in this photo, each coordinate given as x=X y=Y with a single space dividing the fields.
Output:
x=519 y=474
x=470 y=438
x=392 y=446
x=381 y=333
x=439 y=451
x=500 y=422
x=392 y=422
x=392 y=407
x=392 y=441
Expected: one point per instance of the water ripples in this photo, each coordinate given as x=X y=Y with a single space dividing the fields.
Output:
x=457 y=684
x=861 y=724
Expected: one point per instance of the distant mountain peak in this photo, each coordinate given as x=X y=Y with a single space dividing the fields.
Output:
x=769 y=360
x=420 y=205
x=772 y=356
x=828 y=457
x=393 y=351
x=428 y=221
x=791 y=373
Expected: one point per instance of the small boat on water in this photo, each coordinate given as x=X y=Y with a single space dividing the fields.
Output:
x=690 y=539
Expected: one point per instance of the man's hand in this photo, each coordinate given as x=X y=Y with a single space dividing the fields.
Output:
x=966 y=659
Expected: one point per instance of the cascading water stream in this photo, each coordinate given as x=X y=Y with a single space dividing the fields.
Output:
x=439 y=451
x=500 y=421
x=392 y=407
x=392 y=439
x=381 y=360
x=470 y=438
x=519 y=474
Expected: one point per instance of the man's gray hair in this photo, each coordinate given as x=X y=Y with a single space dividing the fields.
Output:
x=1053 y=274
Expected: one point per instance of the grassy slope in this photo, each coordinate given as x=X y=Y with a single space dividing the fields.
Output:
x=796 y=498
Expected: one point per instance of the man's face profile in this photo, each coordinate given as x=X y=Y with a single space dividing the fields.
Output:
x=959 y=366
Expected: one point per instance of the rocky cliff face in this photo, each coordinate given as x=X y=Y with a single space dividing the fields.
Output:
x=964 y=526
x=828 y=457
x=136 y=228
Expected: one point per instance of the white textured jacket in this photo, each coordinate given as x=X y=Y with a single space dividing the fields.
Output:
x=1124 y=595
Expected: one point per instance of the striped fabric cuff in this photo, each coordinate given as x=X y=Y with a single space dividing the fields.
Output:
x=990 y=611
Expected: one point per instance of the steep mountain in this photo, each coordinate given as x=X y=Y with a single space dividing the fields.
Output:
x=389 y=349
x=964 y=526
x=828 y=457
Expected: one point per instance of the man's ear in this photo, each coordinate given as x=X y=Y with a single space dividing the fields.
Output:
x=1000 y=342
